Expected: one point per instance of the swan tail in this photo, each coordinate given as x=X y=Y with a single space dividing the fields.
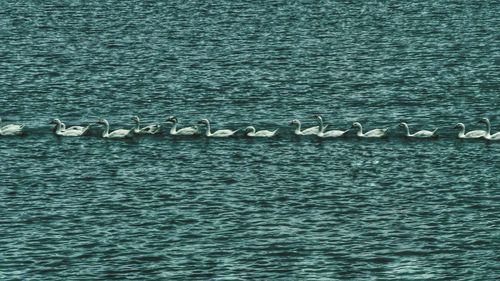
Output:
x=86 y=129
x=434 y=133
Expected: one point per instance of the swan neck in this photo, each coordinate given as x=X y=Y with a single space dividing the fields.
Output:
x=59 y=127
x=208 y=133
x=173 y=130
x=360 y=131
x=106 y=129
x=488 y=126
x=407 y=130
x=462 y=131
x=298 y=128
x=321 y=127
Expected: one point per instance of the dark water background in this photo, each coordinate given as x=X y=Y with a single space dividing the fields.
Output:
x=164 y=208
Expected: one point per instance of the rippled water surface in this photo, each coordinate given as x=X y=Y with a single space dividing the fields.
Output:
x=288 y=208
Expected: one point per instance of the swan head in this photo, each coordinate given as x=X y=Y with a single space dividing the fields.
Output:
x=204 y=122
x=459 y=125
x=250 y=129
x=484 y=120
x=295 y=122
x=136 y=119
x=317 y=116
x=171 y=119
x=403 y=124
x=102 y=121
x=55 y=121
x=356 y=125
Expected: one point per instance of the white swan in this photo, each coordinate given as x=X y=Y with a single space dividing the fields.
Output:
x=218 y=133
x=375 y=133
x=309 y=131
x=250 y=131
x=73 y=131
x=11 y=129
x=188 y=131
x=147 y=130
x=117 y=134
x=476 y=134
x=419 y=134
x=488 y=135
x=328 y=134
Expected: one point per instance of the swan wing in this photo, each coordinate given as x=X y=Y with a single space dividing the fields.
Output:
x=151 y=129
x=70 y=133
x=12 y=127
x=312 y=131
x=78 y=128
x=333 y=134
x=423 y=134
x=495 y=136
x=375 y=133
x=188 y=131
x=475 y=134
x=11 y=130
x=120 y=133
x=223 y=133
x=263 y=133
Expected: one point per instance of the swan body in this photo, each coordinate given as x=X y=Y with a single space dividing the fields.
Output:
x=147 y=130
x=187 y=131
x=218 y=133
x=309 y=131
x=116 y=134
x=328 y=134
x=79 y=128
x=375 y=133
x=488 y=135
x=419 y=134
x=476 y=134
x=74 y=131
x=251 y=132
x=11 y=129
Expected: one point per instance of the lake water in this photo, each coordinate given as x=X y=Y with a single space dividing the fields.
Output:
x=287 y=208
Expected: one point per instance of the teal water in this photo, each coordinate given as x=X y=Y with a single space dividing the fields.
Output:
x=290 y=208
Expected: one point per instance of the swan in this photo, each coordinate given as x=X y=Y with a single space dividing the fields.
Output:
x=250 y=131
x=73 y=131
x=489 y=136
x=188 y=131
x=117 y=134
x=147 y=130
x=419 y=134
x=11 y=129
x=470 y=135
x=218 y=133
x=375 y=133
x=328 y=134
x=309 y=131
